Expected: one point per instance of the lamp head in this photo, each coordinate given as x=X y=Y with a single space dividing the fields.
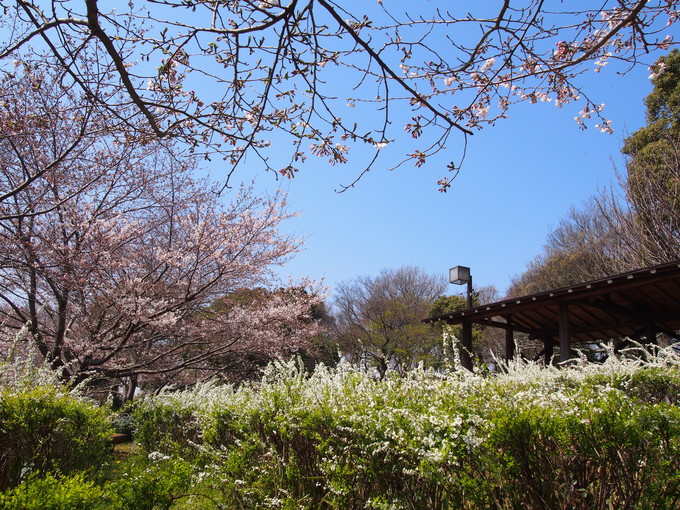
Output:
x=459 y=275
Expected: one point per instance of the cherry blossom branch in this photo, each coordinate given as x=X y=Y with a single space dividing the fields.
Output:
x=98 y=32
x=412 y=92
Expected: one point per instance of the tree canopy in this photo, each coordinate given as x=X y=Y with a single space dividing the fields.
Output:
x=653 y=164
x=379 y=319
x=653 y=149
x=237 y=78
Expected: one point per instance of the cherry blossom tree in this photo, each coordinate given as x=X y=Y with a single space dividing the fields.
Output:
x=260 y=325
x=321 y=77
x=110 y=250
x=34 y=105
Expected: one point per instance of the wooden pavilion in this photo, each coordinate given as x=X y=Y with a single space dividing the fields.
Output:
x=636 y=305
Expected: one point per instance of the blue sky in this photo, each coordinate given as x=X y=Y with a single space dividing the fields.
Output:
x=519 y=179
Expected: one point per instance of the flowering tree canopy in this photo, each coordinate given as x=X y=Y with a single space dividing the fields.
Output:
x=234 y=77
x=111 y=252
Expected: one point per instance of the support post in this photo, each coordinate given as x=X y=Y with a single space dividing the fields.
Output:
x=509 y=341
x=563 y=329
x=650 y=338
x=650 y=333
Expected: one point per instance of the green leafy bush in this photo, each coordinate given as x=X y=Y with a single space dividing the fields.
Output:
x=53 y=493
x=165 y=429
x=47 y=429
x=157 y=482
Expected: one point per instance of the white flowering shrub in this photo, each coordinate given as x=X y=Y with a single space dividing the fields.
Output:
x=21 y=365
x=585 y=436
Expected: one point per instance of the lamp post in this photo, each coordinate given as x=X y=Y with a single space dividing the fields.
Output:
x=460 y=275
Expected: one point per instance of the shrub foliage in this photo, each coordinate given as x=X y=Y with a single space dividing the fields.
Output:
x=590 y=436
x=48 y=429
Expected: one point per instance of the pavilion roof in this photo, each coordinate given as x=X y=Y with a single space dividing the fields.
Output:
x=624 y=305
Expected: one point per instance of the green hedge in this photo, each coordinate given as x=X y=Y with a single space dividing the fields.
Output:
x=144 y=484
x=47 y=429
x=593 y=436
x=53 y=493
